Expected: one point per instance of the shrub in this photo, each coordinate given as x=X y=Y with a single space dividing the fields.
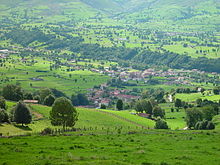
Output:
x=202 y=125
x=210 y=125
x=103 y=106
x=161 y=124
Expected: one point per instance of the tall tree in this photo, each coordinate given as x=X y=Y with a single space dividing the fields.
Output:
x=119 y=105
x=178 y=103
x=22 y=114
x=12 y=92
x=158 y=112
x=63 y=113
x=193 y=115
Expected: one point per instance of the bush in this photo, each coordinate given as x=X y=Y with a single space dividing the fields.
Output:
x=202 y=125
x=103 y=106
x=161 y=124
x=210 y=125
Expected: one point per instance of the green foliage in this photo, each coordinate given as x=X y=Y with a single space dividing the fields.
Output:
x=2 y=103
x=178 y=103
x=3 y=116
x=216 y=90
x=158 y=112
x=161 y=124
x=144 y=105
x=21 y=114
x=119 y=105
x=49 y=100
x=47 y=131
x=12 y=92
x=28 y=96
x=63 y=113
x=195 y=115
x=25 y=37
x=79 y=99
x=205 y=124
x=44 y=93
x=37 y=97
x=103 y=106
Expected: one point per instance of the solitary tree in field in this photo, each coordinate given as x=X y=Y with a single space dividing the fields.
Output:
x=119 y=105
x=178 y=103
x=22 y=114
x=63 y=113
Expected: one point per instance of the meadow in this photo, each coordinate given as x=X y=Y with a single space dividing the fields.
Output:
x=149 y=147
x=32 y=77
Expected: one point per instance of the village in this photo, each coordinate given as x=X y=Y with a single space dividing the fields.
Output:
x=107 y=93
x=124 y=81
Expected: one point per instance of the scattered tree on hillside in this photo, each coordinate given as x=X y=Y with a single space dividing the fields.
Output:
x=12 y=92
x=2 y=103
x=49 y=100
x=199 y=102
x=161 y=124
x=119 y=105
x=28 y=96
x=44 y=93
x=158 y=112
x=144 y=106
x=63 y=113
x=178 y=103
x=79 y=99
x=198 y=114
x=3 y=116
x=22 y=114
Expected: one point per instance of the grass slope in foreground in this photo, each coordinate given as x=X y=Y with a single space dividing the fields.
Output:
x=151 y=147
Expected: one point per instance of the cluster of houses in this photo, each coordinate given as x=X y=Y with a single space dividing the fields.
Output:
x=104 y=96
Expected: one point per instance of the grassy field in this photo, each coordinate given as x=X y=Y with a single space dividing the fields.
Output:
x=24 y=72
x=175 y=120
x=192 y=97
x=150 y=147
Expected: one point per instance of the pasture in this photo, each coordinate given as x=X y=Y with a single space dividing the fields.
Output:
x=150 y=147
x=35 y=75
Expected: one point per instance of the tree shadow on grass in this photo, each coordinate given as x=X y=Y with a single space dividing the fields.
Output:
x=25 y=128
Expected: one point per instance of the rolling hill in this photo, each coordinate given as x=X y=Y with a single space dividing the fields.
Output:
x=166 y=13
